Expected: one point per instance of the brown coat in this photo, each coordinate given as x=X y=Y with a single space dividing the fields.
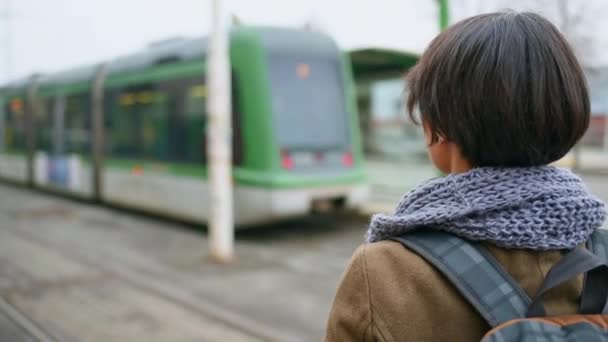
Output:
x=389 y=293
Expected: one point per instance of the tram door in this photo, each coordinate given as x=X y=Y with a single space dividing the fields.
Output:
x=45 y=124
x=13 y=150
x=63 y=142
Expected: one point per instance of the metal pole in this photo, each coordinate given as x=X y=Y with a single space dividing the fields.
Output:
x=97 y=113
x=31 y=111
x=606 y=133
x=219 y=134
x=444 y=14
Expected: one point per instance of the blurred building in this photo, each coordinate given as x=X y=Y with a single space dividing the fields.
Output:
x=597 y=135
x=394 y=135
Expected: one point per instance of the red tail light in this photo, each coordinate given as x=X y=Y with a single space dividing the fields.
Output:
x=286 y=161
x=347 y=160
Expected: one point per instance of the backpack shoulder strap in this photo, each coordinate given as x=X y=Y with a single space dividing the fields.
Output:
x=593 y=296
x=598 y=244
x=474 y=272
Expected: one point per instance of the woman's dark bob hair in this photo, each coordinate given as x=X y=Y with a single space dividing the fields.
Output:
x=505 y=87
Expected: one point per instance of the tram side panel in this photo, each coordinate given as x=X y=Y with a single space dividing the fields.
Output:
x=13 y=155
x=153 y=139
x=62 y=158
x=155 y=153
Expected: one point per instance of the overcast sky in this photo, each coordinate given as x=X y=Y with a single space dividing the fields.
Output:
x=47 y=35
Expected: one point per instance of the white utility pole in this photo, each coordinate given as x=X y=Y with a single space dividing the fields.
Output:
x=219 y=134
x=606 y=133
x=6 y=15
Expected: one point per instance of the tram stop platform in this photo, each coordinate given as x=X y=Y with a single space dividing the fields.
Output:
x=72 y=271
x=76 y=272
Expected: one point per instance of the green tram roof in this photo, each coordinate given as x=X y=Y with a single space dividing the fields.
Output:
x=173 y=50
x=154 y=54
x=71 y=76
x=297 y=42
x=375 y=63
x=17 y=87
x=180 y=49
x=184 y=49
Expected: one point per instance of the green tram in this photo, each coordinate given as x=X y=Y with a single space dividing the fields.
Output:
x=130 y=132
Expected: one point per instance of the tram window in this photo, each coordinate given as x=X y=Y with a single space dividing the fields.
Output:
x=110 y=108
x=44 y=124
x=152 y=109
x=195 y=122
x=164 y=122
x=174 y=136
x=185 y=109
x=308 y=102
x=123 y=126
x=237 y=117
x=77 y=120
x=14 y=128
x=138 y=123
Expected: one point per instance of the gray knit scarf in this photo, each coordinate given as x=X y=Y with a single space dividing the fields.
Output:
x=539 y=208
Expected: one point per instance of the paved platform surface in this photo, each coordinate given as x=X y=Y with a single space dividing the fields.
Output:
x=71 y=271
x=76 y=272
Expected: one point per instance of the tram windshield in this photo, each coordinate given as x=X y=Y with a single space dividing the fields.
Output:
x=308 y=102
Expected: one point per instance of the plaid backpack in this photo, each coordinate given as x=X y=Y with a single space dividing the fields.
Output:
x=512 y=315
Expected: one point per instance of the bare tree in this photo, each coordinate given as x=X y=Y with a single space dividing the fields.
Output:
x=572 y=18
x=578 y=20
